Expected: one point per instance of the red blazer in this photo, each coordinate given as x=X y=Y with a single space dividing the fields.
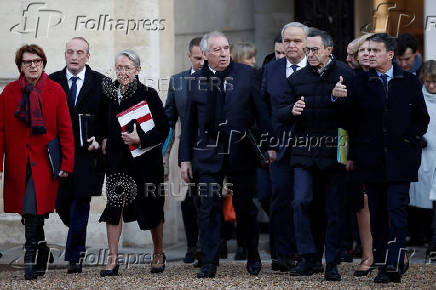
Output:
x=17 y=145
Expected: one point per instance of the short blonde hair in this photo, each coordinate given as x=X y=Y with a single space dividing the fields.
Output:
x=243 y=50
x=361 y=40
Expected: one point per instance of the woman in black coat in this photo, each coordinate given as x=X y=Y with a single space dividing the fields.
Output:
x=135 y=168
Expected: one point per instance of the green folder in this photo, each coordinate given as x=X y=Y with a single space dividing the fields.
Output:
x=343 y=140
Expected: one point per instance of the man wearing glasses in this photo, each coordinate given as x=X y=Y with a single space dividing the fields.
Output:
x=86 y=102
x=307 y=103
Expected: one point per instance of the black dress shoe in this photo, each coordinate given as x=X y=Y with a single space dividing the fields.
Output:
x=207 y=271
x=388 y=274
x=284 y=264
x=190 y=255
x=74 y=268
x=199 y=264
x=303 y=268
x=317 y=267
x=363 y=273
x=254 y=266
x=382 y=277
x=275 y=265
x=29 y=272
x=111 y=272
x=331 y=273
x=394 y=274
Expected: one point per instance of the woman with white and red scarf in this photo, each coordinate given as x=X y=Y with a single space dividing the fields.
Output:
x=33 y=112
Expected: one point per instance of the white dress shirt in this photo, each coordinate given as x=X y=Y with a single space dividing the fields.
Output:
x=389 y=73
x=289 y=69
x=80 y=79
x=225 y=81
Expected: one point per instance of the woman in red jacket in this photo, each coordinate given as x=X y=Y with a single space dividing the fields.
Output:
x=33 y=112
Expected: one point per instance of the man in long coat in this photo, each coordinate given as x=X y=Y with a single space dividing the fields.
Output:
x=84 y=95
x=387 y=118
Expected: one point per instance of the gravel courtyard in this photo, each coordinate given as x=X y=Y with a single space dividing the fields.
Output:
x=230 y=275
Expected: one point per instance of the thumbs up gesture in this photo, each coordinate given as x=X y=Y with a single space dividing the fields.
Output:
x=131 y=138
x=298 y=107
x=340 y=90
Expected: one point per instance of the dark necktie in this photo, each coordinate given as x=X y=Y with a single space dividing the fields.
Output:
x=73 y=90
x=294 y=67
x=384 y=78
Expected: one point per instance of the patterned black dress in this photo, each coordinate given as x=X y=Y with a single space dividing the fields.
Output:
x=132 y=184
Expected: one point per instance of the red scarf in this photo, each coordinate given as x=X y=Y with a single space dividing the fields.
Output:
x=30 y=108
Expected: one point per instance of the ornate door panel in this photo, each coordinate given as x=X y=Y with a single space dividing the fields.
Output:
x=334 y=16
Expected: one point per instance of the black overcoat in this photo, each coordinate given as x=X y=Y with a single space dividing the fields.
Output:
x=386 y=128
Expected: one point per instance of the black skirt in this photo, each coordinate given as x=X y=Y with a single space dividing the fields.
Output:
x=355 y=193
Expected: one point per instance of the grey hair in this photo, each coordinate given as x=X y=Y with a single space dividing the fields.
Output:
x=204 y=45
x=296 y=24
x=131 y=54
x=82 y=39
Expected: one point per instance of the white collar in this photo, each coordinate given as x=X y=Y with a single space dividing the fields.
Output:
x=212 y=70
x=301 y=64
x=192 y=71
x=80 y=75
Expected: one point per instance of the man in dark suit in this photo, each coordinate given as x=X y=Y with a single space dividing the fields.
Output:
x=387 y=118
x=175 y=110
x=223 y=103
x=84 y=96
x=307 y=103
x=273 y=86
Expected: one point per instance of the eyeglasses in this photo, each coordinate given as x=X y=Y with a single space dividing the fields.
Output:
x=126 y=68
x=430 y=82
x=314 y=50
x=29 y=62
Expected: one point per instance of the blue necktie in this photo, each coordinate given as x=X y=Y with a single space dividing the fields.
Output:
x=384 y=78
x=294 y=67
x=73 y=89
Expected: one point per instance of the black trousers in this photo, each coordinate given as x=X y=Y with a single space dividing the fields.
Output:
x=76 y=239
x=388 y=203
x=243 y=189
x=330 y=184
x=189 y=215
x=282 y=217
